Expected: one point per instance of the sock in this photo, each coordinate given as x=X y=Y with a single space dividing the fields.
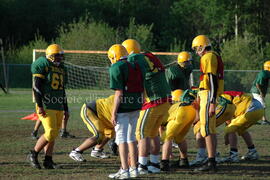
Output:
x=96 y=149
x=212 y=160
x=36 y=153
x=234 y=150
x=78 y=150
x=154 y=158
x=251 y=148
x=48 y=158
x=143 y=160
x=202 y=151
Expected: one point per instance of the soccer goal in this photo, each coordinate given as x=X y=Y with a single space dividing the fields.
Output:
x=90 y=69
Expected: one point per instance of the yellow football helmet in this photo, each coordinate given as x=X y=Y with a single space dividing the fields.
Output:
x=183 y=57
x=116 y=52
x=266 y=66
x=132 y=46
x=200 y=42
x=55 y=53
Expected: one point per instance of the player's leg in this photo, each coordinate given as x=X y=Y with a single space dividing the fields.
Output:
x=252 y=153
x=54 y=131
x=121 y=130
x=166 y=152
x=96 y=128
x=132 y=144
x=183 y=147
x=208 y=131
x=201 y=156
x=233 y=154
x=63 y=132
x=143 y=140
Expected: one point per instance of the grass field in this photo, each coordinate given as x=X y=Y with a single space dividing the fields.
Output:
x=16 y=142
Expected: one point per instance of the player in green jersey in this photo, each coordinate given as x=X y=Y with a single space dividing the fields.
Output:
x=51 y=102
x=260 y=86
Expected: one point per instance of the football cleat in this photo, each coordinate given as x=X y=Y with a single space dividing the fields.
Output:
x=200 y=160
x=49 y=164
x=99 y=154
x=32 y=157
x=65 y=134
x=76 y=156
x=183 y=163
x=121 y=174
x=232 y=158
x=208 y=167
x=265 y=122
x=133 y=172
x=251 y=155
x=165 y=165
x=142 y=169
x=153 y=167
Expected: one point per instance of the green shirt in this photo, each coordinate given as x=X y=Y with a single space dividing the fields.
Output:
x=177 y=77
x=155 y=84
x=118 y=79
x=262 y=79
x=53 y=87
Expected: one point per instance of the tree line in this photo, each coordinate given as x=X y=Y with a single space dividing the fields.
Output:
x=238 y=29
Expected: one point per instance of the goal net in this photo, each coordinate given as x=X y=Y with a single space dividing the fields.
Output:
x=90 y=69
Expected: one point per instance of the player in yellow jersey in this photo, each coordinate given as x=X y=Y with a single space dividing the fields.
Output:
x=248 y=111
x=182 y=115
x=96 y=115
x=211 y=85
x=224 y=111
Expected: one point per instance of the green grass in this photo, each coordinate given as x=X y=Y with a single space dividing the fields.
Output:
x=16 y=142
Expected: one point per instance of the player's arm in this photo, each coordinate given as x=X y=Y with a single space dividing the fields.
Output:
x=259 y=87
x=213 y=83
x=38 y=93
x=65 y=104
x=117 y=100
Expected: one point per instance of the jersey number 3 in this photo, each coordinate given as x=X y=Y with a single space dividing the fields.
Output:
x=57 y=81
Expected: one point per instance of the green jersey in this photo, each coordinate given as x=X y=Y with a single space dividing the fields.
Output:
x=53 y=82
x=119 y=75
x=262 y=79
x=155 y=84
x=177 y=78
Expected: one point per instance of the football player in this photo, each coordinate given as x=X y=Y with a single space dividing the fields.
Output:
x=260 y=86
x=211 y=85
x=248 y=111
x=224 y=111
x=178 y=75
x=155 y=108
x=182 y=116
x=126 y=79
x=97 y=117
x=51 y=103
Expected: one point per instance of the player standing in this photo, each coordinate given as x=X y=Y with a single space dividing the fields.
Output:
x=126 y=79
x=178 y=75
x=260 y=86
x=52 y=107
x=211 y=85
x=155 y=108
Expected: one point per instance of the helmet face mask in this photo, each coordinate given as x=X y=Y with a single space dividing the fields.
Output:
x=199 y=44
x=55 y=54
